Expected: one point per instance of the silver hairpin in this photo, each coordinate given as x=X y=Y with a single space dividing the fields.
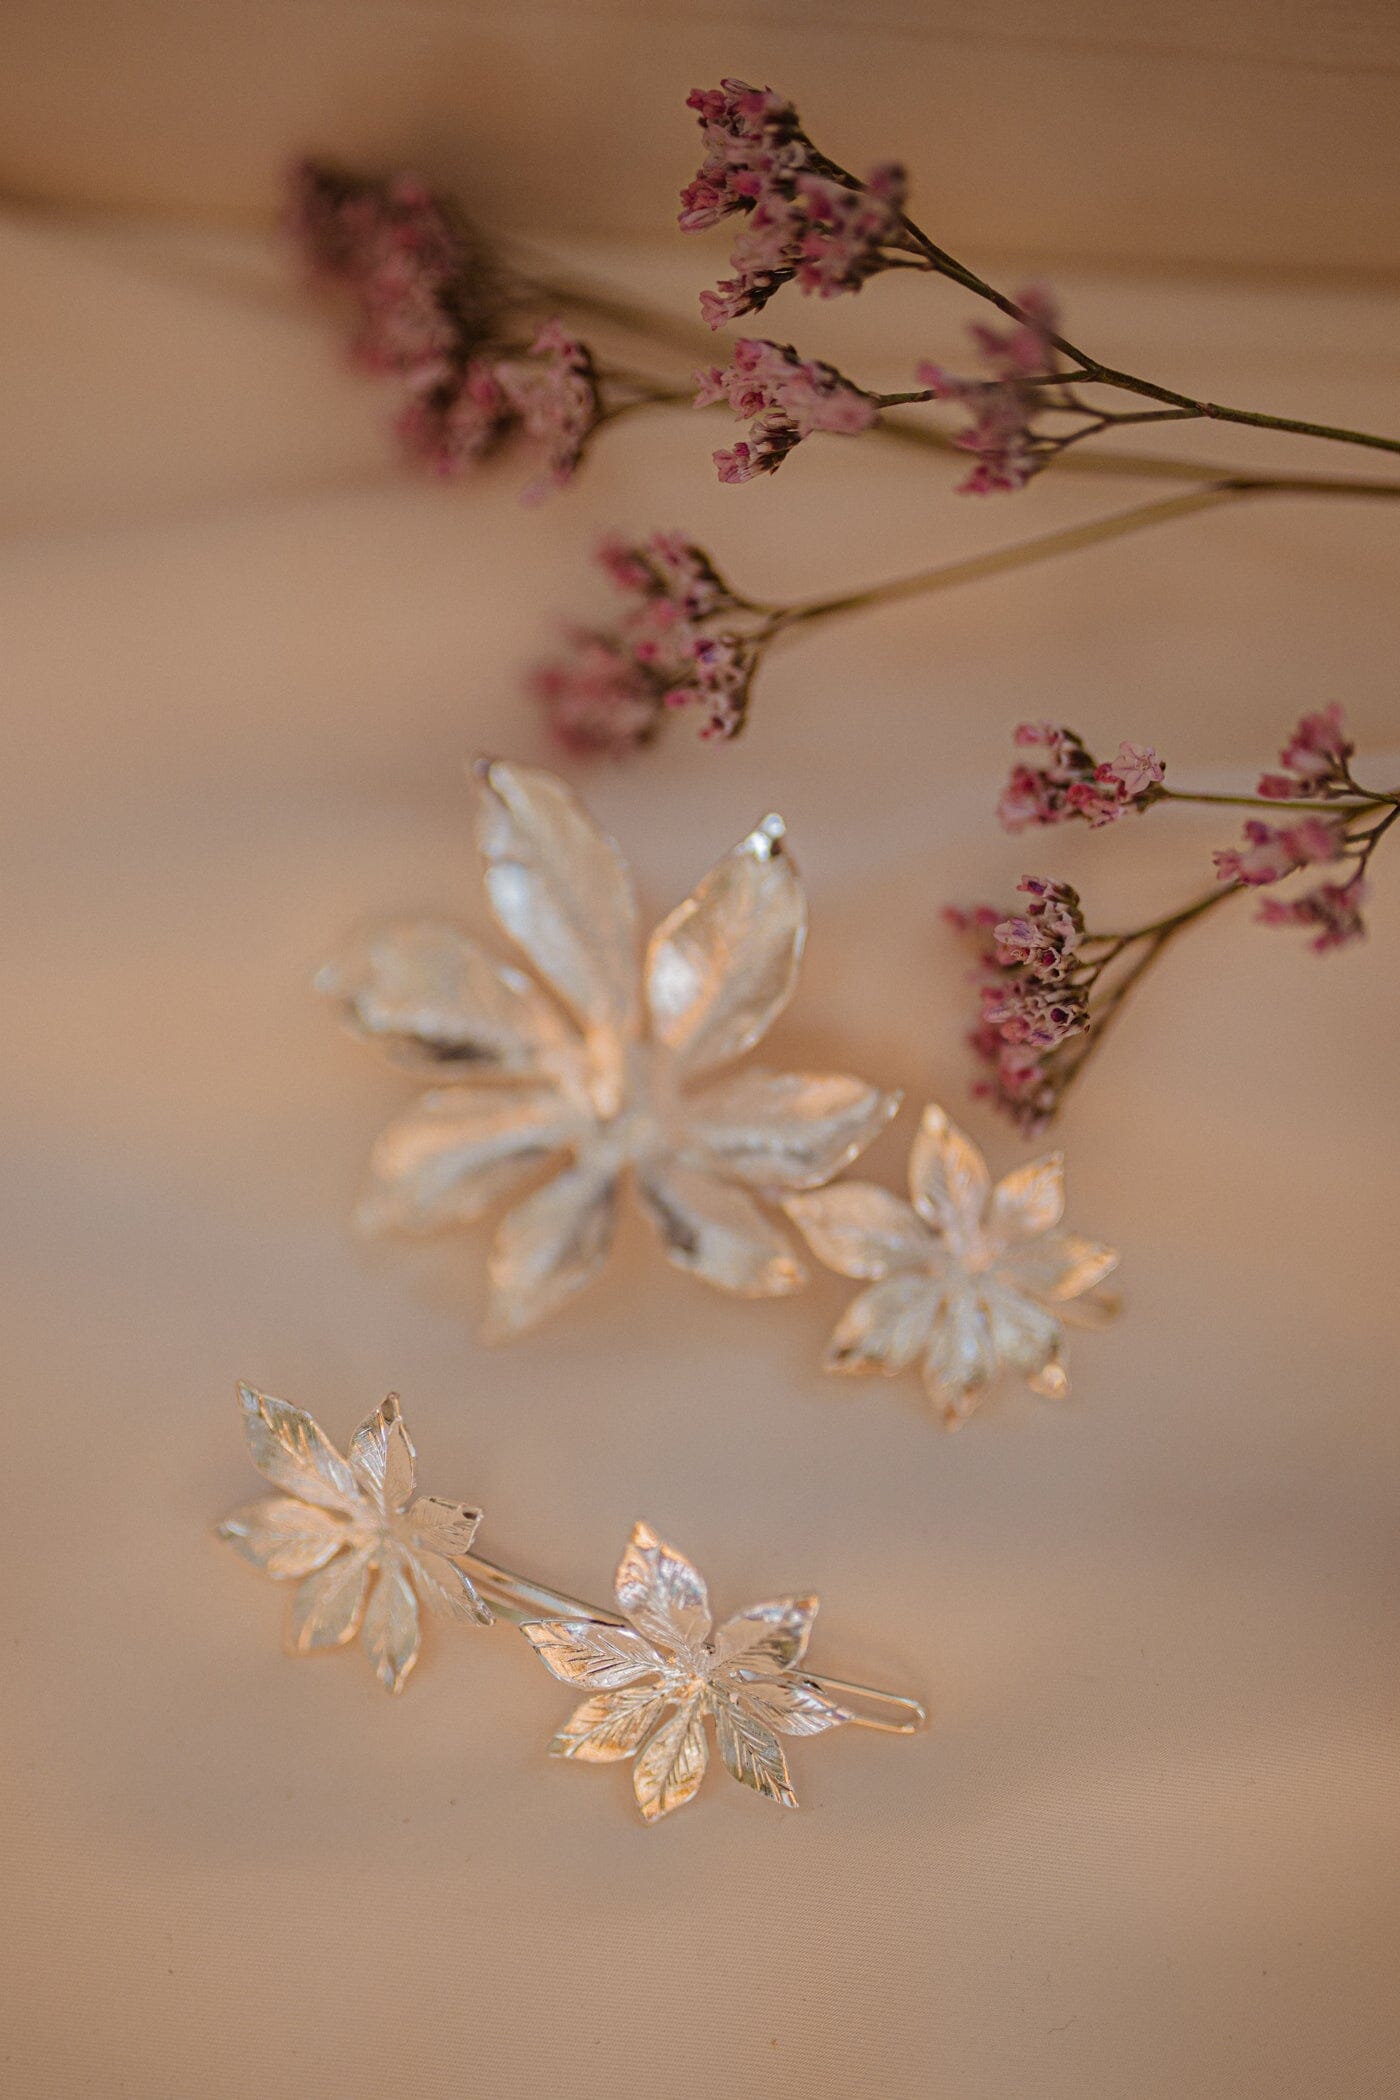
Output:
x=611 y=1066
x=656 y=1669
x=363 y=1549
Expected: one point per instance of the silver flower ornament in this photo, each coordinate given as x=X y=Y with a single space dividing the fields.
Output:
x=609 y=1070
x=968 y=1278
x=653 y=1681
x=363 y=1549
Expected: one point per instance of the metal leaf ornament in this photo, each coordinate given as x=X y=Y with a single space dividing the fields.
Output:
x=967 y=1280
x=608 y=1067
x=654 y=1682
x=363 y=1549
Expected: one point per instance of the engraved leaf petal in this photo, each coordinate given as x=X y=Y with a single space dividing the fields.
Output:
x=722 y=967
x=790 y=1705
x=859 y=1229
x=961 y=1359
x=1031 y=1199
x=1059 y=1267
x=948 y=1179
x=284 y=1537
x=293 y=1452
x=1093 y=1310
x=550 y=1246
x=326 y=1607
x=390 y=1631
x=609 y=1727
x=668 y=1771
x=559 y=887
x=446 y=1589
x=382 y=1457
x=770 y=1636
x=457 y=1151
x=428 y=996
x=751 y=1751
x=790 y=1130
x=718 y=1233
x=886 y=1327
x=1024 y=1334
x=443 y=1527
x=661 y=1592
x=586 y=1651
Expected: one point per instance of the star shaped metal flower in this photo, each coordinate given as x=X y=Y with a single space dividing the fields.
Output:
x=653 y=1680
x=611 y=1072
x=971 y=1279
x=364 y=1548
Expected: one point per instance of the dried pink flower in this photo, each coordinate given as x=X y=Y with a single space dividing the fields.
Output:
x=1031 y=1002
x=554 y=393
x=1060 y=780
x=1333 y=908
x=801 y=220
x=1272 y=851
x=1004 y=403
x=788 y=398
x=1316 y=758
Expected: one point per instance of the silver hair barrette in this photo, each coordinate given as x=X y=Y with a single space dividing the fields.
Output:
x=364 y=1549
x=603 y=1067
x=966 y=1278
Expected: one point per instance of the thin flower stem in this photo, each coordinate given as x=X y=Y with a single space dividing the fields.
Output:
x=1334 y=808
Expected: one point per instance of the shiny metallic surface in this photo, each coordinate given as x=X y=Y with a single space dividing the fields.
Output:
x=967 y=1279
x=656 y=1674
x=607 y=1071
x=363 y=1549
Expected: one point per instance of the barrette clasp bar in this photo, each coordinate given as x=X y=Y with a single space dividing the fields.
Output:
x=524 y=1602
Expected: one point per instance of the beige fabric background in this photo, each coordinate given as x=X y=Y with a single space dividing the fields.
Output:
x=1149 y=1847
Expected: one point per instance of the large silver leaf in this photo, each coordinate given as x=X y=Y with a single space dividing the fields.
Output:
x=559 y=886
x=428 y=996
x=457 y=1151
x=284 y=1537
x=326 y=1607
x=961 y=1360
x=661 y=1592
x=948 y=1180
x=722 y=967
x=669 y=1769
x=787 y=1130
x=382 y=1457
x=791 y=1705
x=859 y=1229
x=1024 y=1334
x=1029 y=1200
x=718 y=1233
x=767 y=1636
x=549 y=1247
x=294 y=1453
x=1059 y=1267
x=389 y=1634
x=751 y=1751
x=604 y=1729
x=585 y=1651
x=886 y=1327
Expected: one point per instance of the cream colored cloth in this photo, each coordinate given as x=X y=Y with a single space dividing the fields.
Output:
x=1148 y=1850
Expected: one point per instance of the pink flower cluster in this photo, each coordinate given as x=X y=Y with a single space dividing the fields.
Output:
x=1272 y=851
x=786 y=396
x=1032 y=1000
x=610 y=693
x=1005 y=402
x=1333 y=909
x=430 y=308
x=1316 y=759
x=1059 y=780
x=802 y=222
